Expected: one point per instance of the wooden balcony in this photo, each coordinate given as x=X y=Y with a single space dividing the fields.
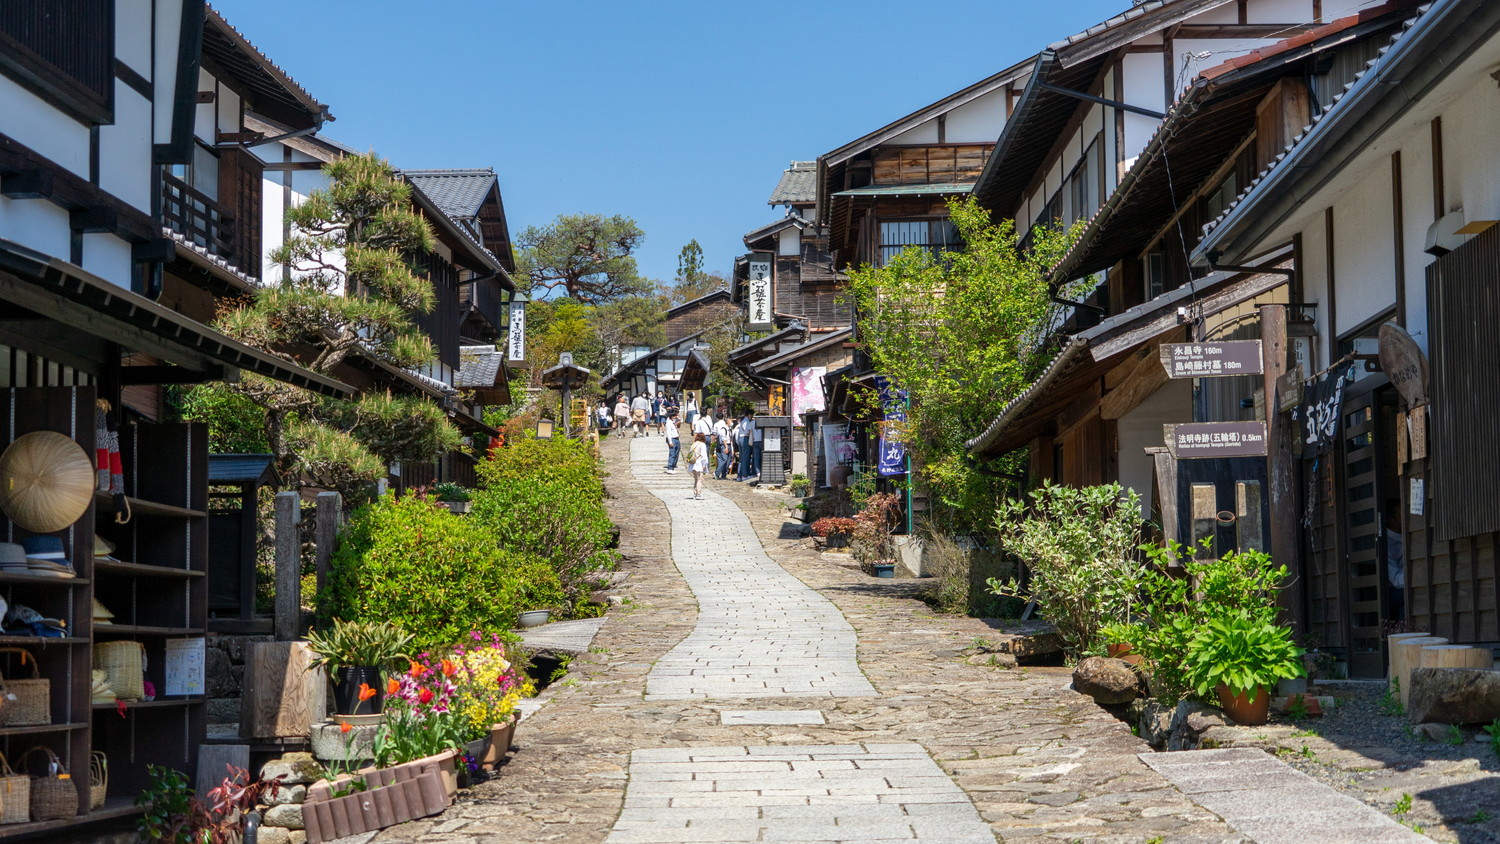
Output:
x=199 y=218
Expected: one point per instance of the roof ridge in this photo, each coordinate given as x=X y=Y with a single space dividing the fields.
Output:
x=286 y=77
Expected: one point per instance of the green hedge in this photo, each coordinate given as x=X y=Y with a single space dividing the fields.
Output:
x=412 y=563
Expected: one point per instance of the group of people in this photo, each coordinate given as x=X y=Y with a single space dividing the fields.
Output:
x=732 y=442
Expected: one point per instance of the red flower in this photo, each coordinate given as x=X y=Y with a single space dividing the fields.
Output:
x=365 y=692
x=392 y=686
x=345 y=726
x=425 y=696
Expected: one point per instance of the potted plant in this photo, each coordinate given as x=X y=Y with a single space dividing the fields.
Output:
x=834 y=530
x=1241 y=658
x=488 y=685
x=455 y=496
x=1119 y=642
x=355 y=654
x=800 y=484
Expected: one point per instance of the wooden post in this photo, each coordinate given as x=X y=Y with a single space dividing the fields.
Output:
x=1166 y=496
x=282 y=697
x=288 y=621
x=330 y=519
x=1281 y=472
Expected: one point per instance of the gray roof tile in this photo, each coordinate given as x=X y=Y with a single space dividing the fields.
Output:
x=798 y=185
x=459 y=193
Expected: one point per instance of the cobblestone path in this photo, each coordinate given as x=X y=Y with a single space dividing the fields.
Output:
x=975 y=746
x=760 y=631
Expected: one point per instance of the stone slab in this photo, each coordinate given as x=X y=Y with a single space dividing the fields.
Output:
x=771 y=717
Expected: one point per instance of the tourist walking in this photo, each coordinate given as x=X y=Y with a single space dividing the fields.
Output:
x=701 y=425
x=640 y=408
x=674 y=445
x=745 y=440
x=658 y=412
x=724 y=447
x=602 y=414
x=690 y=409
x=698 y=464
x=622 y=414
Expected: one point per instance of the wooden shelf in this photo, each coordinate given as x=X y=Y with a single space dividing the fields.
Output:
x=143 y=630
x=104 y=503
x=151 y=704
x=39 y=728
x=41 y=579
x=114 y=807
x=43 y=640
x=142 y=570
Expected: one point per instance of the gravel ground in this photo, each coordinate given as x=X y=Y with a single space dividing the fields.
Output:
x=1364 y=750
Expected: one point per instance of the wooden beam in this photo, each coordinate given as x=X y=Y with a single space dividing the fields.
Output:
x=1144 y=378
x=66 y=189
x=288 y=619
x=27 y=183
x=1233 y=294
x=1243 y=30
x=1281 y=470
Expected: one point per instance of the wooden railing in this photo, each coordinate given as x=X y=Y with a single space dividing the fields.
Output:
x=198 y=217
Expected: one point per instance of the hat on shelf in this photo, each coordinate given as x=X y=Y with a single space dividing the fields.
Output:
x=102 y=615
x=103 y=547
x=46 y=481
x=12 y=557
x=100 y=690
x=23 y=620
x=45 y=556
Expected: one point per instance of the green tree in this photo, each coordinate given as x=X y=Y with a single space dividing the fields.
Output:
x=350 y=288
x=690 y=261
x=963 y=333
x=692 y=281
x=587 y=257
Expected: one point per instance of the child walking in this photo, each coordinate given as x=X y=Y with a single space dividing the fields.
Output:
x=698 y=464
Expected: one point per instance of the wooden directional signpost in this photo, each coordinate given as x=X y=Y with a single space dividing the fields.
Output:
x=1214 y=360
x=1215 y=439
x=1208 y=360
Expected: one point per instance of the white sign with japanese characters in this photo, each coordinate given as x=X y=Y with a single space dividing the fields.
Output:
x=759 y=296
x=515 y=343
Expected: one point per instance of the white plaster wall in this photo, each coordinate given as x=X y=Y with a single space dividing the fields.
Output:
x=1471 y=173
x=108 y=257
x=36 y=124
x=228 y=106
x=133 y=35
x=925 y=133
x=1314 y=273
x=1141 y=429
x=36 y=223
x=125 y=149
x=1363 y=250
x=168 y=30
x=1227 y=13
x=203 y=113
x=1143 y=86
x=789 y=242
x=979 y=121
x=1279 y=11
x=1416 y=207
x=270 y=223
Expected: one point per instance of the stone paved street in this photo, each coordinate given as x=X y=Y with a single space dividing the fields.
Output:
x=601 y=761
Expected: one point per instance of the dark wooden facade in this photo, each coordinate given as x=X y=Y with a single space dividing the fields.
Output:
x=701 y=314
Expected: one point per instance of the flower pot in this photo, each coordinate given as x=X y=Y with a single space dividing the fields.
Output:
x=533 y=618
x=884 y=569
x=1244 y=710
x=501 y=736
x=837 y=540
x=386 y=801
x=346 y=683
x=1125 y=652
x=459 y=507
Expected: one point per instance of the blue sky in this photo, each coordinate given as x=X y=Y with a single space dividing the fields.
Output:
x=681 y=115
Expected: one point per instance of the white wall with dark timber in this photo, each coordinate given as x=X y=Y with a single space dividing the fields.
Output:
x=1142 y=83
x=108 y=257
x=922 y=133
x=979 y=121
x=35 y=123
x=133 y=35
x=164 y=76
x=1471 y=125
x=37 y=224
x=789 y=241
x=1279 y=11
x=1364 y=253
x=125 y=149
x=1141 y=429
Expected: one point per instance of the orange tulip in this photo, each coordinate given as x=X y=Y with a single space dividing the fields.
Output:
x=417 y=670
x=449 y=668
x=345 y=726
x=425 y=696
x=365 y=692
x=392 y=686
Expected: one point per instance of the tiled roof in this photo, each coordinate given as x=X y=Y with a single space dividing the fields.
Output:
x=459 y=193
x=478 y=366
x=200 y=255
x=798 y=185
x=232 y=50
x=1330 y=110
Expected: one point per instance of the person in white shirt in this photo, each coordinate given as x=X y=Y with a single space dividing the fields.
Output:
x=690 y=409
x=723 y=447
x=640 y=409
x=674 y=445
x=701 y=425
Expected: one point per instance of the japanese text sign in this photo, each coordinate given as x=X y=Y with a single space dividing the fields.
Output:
x=1195 y=440
x=1210 y=360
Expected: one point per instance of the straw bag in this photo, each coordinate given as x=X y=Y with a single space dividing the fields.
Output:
x=126 y=664
x=24 y=702
x=15 y=794
x=53 y=794
x=98 y=779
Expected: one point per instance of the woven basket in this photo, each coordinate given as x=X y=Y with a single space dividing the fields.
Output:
x=24 y=702
x=53 y=795
x=98 y=779
x=15 y=794
x=126 y=664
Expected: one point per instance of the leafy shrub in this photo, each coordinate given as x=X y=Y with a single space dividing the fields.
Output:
x=552 y=522
x=558 y=460
x=834 y=525
x=1080 y=547
x=1243 y=653
x=959 y=569
x=410 y=562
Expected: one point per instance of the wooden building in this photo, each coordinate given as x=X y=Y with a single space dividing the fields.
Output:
x=1388 y=203
x=98 y=106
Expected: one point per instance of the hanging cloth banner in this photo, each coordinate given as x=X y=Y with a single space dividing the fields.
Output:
x=807 y=391
x=892 y=409
x=1321 y=409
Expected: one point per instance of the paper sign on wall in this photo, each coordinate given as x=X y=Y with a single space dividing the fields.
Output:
x=184 y=667
x=1418 y=499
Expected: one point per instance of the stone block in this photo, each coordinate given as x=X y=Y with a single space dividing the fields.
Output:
x=222 y=710
x=1108 y=681
x=1155 y=724
x=273 y=835
x=294 y=768
x=289 y=794
x=1454 y=696
x=286 y=816
x=217 y=678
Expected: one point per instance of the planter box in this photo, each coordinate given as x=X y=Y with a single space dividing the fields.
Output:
x=384 y=802
x=441 y=767
x=501 y=736
x=459 y=507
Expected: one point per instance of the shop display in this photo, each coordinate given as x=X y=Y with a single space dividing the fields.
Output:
x=25 y=701
x=98 y=779
x=125 y=665
x=53 y=794
x=45 y=555
x=12 y=558
x=101 y=614
x=21 y=620
x=46 y=481
x=99 y=690
x=15 y=794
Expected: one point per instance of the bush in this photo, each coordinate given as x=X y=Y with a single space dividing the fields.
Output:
x=412 y=563
x=570 y=463
x=960 y=569
x=1081 y=549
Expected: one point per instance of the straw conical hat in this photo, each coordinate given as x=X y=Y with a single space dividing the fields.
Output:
x=101 y=612
x=46 y=481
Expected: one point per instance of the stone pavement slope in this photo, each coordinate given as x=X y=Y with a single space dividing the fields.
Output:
x=760 y=632
x=1038 y=762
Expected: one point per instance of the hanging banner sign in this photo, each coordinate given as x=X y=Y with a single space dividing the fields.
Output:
x=515 y=342
x=1318 y=416
x=807 y=390
x=1210 y=360
x=893 y=409
x=1198 y=440
x=759 y=296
